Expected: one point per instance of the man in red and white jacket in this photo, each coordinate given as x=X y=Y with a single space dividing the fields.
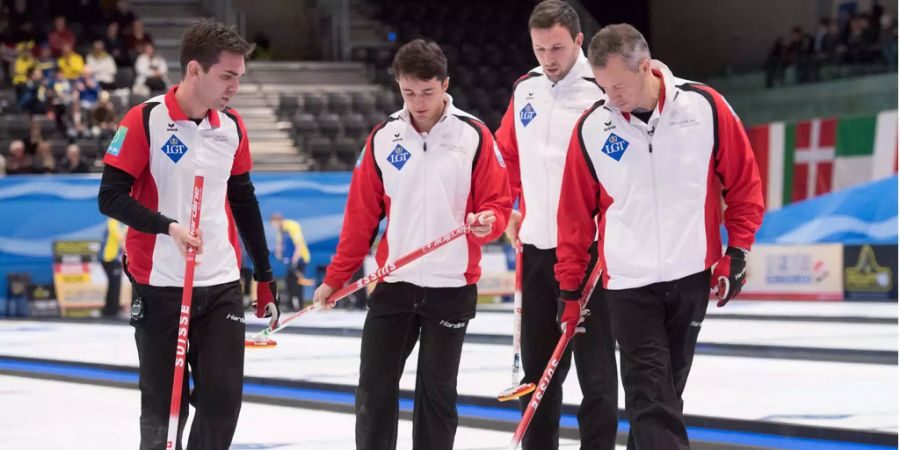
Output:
x=533 y=137
x=649 y=168
x=147 y=184
x=429 y=168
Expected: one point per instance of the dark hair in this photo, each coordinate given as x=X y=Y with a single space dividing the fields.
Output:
x=620 y=39
x=548 y=13
x=205 y=40
x=422 y=59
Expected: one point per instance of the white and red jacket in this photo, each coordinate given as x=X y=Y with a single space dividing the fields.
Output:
x=534 y=136
x=655 y=189
x=162 y=149
x=425 y=186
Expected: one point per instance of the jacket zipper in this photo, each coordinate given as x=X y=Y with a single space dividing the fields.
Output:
x=655 y=204
x=425 y=203
x=554 y=90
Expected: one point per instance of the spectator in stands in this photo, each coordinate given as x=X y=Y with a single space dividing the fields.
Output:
x=135 y=39
x=75 y=120
x=88 y=89
x=800 y=54
x=102 y=65
x=59 y=96
x=821 y=33
x=18 y=163
x=103 y=117
x=123 y=17
x=113 y=45
x=43 y=159
x=832 y=48
x=73 y=162
x=2 y=166
x=46 y=62
x=22 y=66
x=861 y=42
x=35 y=136
x=70 y=64
x=775 y=63
x=150 y=72
x=34 y=98
x=60 y=36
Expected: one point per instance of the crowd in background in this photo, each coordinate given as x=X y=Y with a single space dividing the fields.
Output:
x=64 y=61
x=849 y=44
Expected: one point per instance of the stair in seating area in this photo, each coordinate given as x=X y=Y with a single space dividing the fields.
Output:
x=272 y=142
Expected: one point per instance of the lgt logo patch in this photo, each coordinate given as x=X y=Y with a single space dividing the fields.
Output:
x=398 y=157
x=615 y=146
x=527 y=114
x=174 y=148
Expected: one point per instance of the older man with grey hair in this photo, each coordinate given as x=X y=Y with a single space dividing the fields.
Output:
x=648 y=169
x=19 y=162
x=72 y=162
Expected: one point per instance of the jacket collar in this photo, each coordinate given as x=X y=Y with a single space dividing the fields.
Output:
x=176 y=113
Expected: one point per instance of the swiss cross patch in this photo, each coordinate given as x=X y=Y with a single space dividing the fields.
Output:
x=615 y=146
x=174 y=148
x=527 y=114
x=398 y=157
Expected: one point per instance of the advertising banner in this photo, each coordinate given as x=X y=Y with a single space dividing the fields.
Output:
x=77 y=275
x=870 y=272
x=795 y=272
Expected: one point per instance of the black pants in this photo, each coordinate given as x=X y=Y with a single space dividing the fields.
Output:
x=113 y=271
x=292 y=284
x=215 y=359
x=595 y=359
x=657 y=328
x=399 y=315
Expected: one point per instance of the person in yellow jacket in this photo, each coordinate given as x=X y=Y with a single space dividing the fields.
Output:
x=111 y=260
x=291 y=249
x=23 y=64
x=70 y=64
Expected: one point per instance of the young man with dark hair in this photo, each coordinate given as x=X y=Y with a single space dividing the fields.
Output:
x=429 y=168
x=648 y=170
x=533 y=137
x=147 y=183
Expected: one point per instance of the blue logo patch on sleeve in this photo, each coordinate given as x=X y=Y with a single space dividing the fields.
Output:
x=527 y=114
x=174 y=148
x=398 y=157
x=615 y=146
x=116 y=145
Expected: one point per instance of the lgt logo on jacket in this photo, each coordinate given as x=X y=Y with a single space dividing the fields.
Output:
x=174 y=148
x=615 y=146
x=527 y=114
x=398 y=157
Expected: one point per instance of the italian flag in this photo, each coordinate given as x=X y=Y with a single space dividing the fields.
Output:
x=801 y=160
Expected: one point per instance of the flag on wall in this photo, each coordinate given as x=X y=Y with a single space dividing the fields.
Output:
x=801 y=160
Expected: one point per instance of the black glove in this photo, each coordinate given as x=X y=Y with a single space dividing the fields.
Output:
x=729 y=275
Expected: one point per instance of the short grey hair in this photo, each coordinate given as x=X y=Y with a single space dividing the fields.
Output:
x=619 y=39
